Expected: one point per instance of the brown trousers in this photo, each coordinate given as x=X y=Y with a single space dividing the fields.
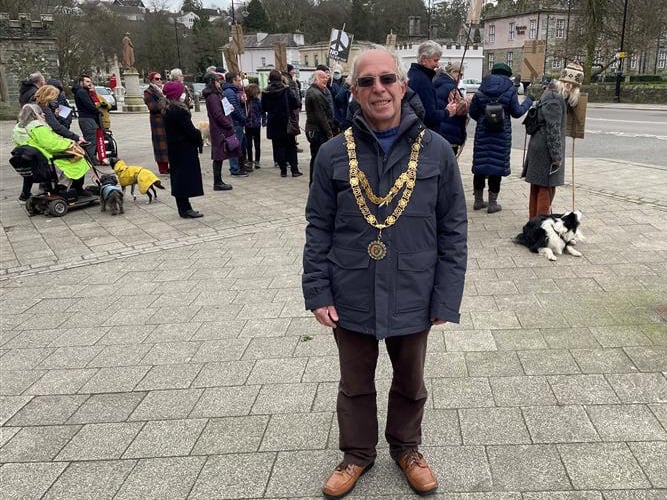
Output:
x=540 y=200
x=357 y=406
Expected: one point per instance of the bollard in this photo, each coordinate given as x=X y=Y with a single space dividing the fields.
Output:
x=196 y=99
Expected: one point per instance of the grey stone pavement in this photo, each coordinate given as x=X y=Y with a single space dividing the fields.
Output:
x=148 y=356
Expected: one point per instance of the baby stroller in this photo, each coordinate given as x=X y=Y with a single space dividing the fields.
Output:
x=106 y=146
x=56 y=199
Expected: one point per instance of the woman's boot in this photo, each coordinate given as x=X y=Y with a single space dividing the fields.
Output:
x=479 y=200
x=218 y=184
x=494 y=206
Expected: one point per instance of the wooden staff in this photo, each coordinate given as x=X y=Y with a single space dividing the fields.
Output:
x=573 y=189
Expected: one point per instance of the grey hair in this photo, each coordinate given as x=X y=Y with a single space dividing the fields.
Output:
x=429 y=49
x=400 y=71
x=36 y=77
x=175 y=73
x=29 y=112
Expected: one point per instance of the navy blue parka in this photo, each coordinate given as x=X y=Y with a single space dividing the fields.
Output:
x=422 y=275
x=491 y=154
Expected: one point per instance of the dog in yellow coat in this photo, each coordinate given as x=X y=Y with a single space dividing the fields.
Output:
x=129 y=175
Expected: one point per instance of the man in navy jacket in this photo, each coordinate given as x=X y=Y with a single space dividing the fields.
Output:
x=385 y=258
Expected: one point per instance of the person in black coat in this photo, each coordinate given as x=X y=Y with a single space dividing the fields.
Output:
x=278 y=103
x=183 y=144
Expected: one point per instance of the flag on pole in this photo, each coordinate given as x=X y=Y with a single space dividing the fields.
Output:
x=339 y=45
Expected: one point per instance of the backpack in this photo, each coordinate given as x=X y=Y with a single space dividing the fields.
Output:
x=494 y=114
x=531 y=121
x=29 y=162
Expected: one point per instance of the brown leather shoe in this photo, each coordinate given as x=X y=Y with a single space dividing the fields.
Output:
x=418 y=473
x=343 y=479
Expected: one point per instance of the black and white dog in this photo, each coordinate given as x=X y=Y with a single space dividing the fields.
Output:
x=550 y=235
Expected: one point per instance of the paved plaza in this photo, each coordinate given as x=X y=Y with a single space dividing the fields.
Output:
x=148 y=356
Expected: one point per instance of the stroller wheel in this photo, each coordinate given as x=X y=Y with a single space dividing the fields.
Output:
x=58 y=208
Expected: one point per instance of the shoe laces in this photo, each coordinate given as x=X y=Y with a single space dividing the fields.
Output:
x=413 y=458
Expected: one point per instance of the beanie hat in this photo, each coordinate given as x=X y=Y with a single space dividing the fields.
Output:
x=152 y=74
x=220 y=69
x=173 y=90
x=573 y=73
x=322 y=67
x=501 y=69
x=290 y=68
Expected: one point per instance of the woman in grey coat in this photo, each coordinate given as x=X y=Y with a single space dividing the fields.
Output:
x=544 y=168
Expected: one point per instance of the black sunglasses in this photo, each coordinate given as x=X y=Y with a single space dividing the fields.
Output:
x=369 y=81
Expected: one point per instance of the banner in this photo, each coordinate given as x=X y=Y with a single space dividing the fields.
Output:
x=237 y=38
x=532 y=65
x=280 y=56
x=474 y=11
x=339 y=45
x=231 y=59
x=391 y=41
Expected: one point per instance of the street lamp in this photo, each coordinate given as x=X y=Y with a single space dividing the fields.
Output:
x=178 y=44
x=621 y=57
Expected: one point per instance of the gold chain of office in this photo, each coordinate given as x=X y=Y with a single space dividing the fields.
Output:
x=358 y=181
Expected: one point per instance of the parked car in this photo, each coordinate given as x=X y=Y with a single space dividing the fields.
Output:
x=107 y=95
x=471 y=84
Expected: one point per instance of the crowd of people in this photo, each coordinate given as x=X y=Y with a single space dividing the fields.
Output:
x=386 y=237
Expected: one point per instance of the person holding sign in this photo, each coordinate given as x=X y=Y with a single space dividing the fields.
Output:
x=384 y=259
x=544 y=168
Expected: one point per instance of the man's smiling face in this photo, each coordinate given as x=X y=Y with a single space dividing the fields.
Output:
x=380 y=103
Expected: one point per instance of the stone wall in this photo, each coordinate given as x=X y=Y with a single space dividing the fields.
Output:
x=630 y=93
x=18 y=37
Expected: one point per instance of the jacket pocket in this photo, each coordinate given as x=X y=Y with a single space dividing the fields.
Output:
x=425 y=195
x=351 y=281
x=414 y=280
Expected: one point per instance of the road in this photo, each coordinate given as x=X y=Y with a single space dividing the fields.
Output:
x=628 y=134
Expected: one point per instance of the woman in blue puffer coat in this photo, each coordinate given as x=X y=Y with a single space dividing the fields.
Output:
x=452 y=128
x=491 y=154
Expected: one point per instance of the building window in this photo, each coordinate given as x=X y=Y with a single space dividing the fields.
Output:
x=662 y=59
x=556 y=63
x=316 y=62
x=492 y=60
x=492 y=33
x=510 y=34
x=532 y=29
x=263 y=61
x=510 y=59
x=305 y=61
x=560 y=28
x=633 y=61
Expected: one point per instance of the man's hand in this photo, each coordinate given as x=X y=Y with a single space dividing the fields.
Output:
x=451 y=108
x=326 y=316
x=81 y=141
x=436 y=321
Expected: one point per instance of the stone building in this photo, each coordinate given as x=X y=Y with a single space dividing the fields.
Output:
x=26 y=46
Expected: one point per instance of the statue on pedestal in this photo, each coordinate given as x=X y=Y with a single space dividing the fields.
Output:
x=128 y=52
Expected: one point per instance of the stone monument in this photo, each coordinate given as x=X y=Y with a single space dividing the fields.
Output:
x=134 y=101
